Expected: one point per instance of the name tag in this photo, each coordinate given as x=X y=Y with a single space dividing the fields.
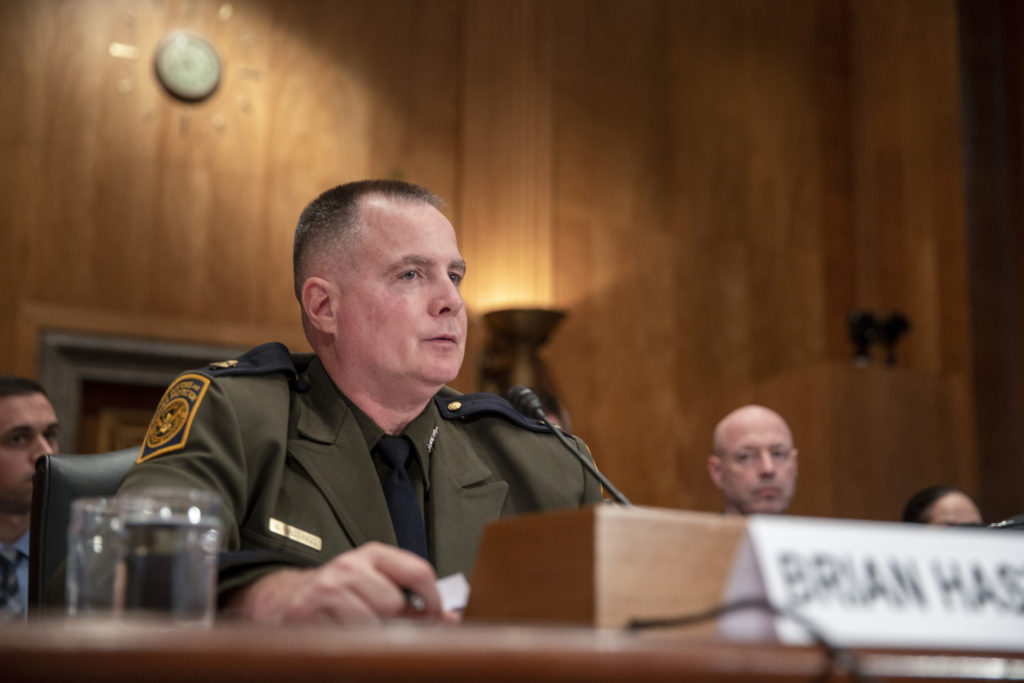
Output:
x=295 y=534
x=877 y=584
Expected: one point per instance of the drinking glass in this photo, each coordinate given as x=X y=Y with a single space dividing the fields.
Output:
x=171 y=540
x=94 y=555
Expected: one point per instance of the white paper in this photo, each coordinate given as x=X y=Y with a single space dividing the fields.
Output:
x=454 y=590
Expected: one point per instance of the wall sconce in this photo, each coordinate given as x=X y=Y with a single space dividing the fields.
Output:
x=510 y=357
x=863 y=328
x=891 y=330
x=866 y=329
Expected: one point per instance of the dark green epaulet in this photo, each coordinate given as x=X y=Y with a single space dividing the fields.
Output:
x=469 y=406
x=265 y=359
x=172 y=422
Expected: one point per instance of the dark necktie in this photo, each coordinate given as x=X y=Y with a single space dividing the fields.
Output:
x=401 y=496
x=10 y=603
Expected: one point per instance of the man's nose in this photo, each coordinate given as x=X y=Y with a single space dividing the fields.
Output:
x=448 y=300
x=766 y=463
x=41 y=447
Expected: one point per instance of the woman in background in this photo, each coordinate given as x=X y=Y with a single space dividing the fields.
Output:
x=942 y=506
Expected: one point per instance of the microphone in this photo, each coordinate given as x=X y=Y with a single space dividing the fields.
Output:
x=526 y=402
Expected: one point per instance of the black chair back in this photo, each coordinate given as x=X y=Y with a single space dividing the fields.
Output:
x=58 y=480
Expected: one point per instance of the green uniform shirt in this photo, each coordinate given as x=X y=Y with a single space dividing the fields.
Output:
x=290 y=457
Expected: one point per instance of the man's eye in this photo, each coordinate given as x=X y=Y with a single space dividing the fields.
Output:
x=409 y=275
x=455 y=278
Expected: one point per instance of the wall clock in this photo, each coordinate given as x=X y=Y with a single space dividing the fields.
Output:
x=187 y=65
x=190 y=63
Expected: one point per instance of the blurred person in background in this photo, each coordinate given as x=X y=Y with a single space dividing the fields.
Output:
x=942 y=506
x=754 y=463
x=28 y=431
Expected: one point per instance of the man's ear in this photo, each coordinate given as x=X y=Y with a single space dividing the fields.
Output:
x=318 y=299
x=715 y=469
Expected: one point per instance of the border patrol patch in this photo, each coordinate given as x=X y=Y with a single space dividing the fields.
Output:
x=172 y=421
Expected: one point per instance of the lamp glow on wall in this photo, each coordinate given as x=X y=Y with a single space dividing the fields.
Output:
x=511 y=356
x=507 y=236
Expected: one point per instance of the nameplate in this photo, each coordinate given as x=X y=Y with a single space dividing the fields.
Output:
x=879 y=584
x=295 y=534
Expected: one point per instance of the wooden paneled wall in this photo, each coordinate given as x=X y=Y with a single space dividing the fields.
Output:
x=706 y=188
x=728 y=189
x=992 y=54
x=176 y=220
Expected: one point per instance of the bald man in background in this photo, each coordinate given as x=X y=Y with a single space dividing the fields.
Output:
x=754 y=463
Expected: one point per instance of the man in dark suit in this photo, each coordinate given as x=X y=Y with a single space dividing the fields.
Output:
x=28 y=431
x=300 y=447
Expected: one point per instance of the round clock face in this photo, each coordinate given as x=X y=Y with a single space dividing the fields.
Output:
x=187 y=65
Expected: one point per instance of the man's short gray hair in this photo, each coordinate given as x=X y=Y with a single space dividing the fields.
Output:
x=333 y=217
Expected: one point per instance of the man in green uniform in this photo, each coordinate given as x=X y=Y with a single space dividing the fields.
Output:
x=297 y=445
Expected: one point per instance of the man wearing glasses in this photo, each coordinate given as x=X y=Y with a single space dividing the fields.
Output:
x=754 y=463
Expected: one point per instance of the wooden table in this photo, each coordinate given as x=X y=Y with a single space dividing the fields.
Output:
x=107 y=651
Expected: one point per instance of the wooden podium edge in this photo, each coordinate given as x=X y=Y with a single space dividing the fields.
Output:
x=602 y=566
x=536 y=568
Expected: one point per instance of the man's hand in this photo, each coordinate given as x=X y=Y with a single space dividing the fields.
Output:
x=361 y=585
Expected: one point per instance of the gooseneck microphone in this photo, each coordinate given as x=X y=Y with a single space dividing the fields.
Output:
x=526 y=402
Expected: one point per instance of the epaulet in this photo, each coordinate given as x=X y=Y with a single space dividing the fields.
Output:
x=468 y=406
x=169 y=429
x=265 y=359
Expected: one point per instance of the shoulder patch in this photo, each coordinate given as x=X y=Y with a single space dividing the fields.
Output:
x=172 y=420
x=467 y=406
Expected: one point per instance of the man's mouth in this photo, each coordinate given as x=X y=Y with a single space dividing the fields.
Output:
x=768 y=492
